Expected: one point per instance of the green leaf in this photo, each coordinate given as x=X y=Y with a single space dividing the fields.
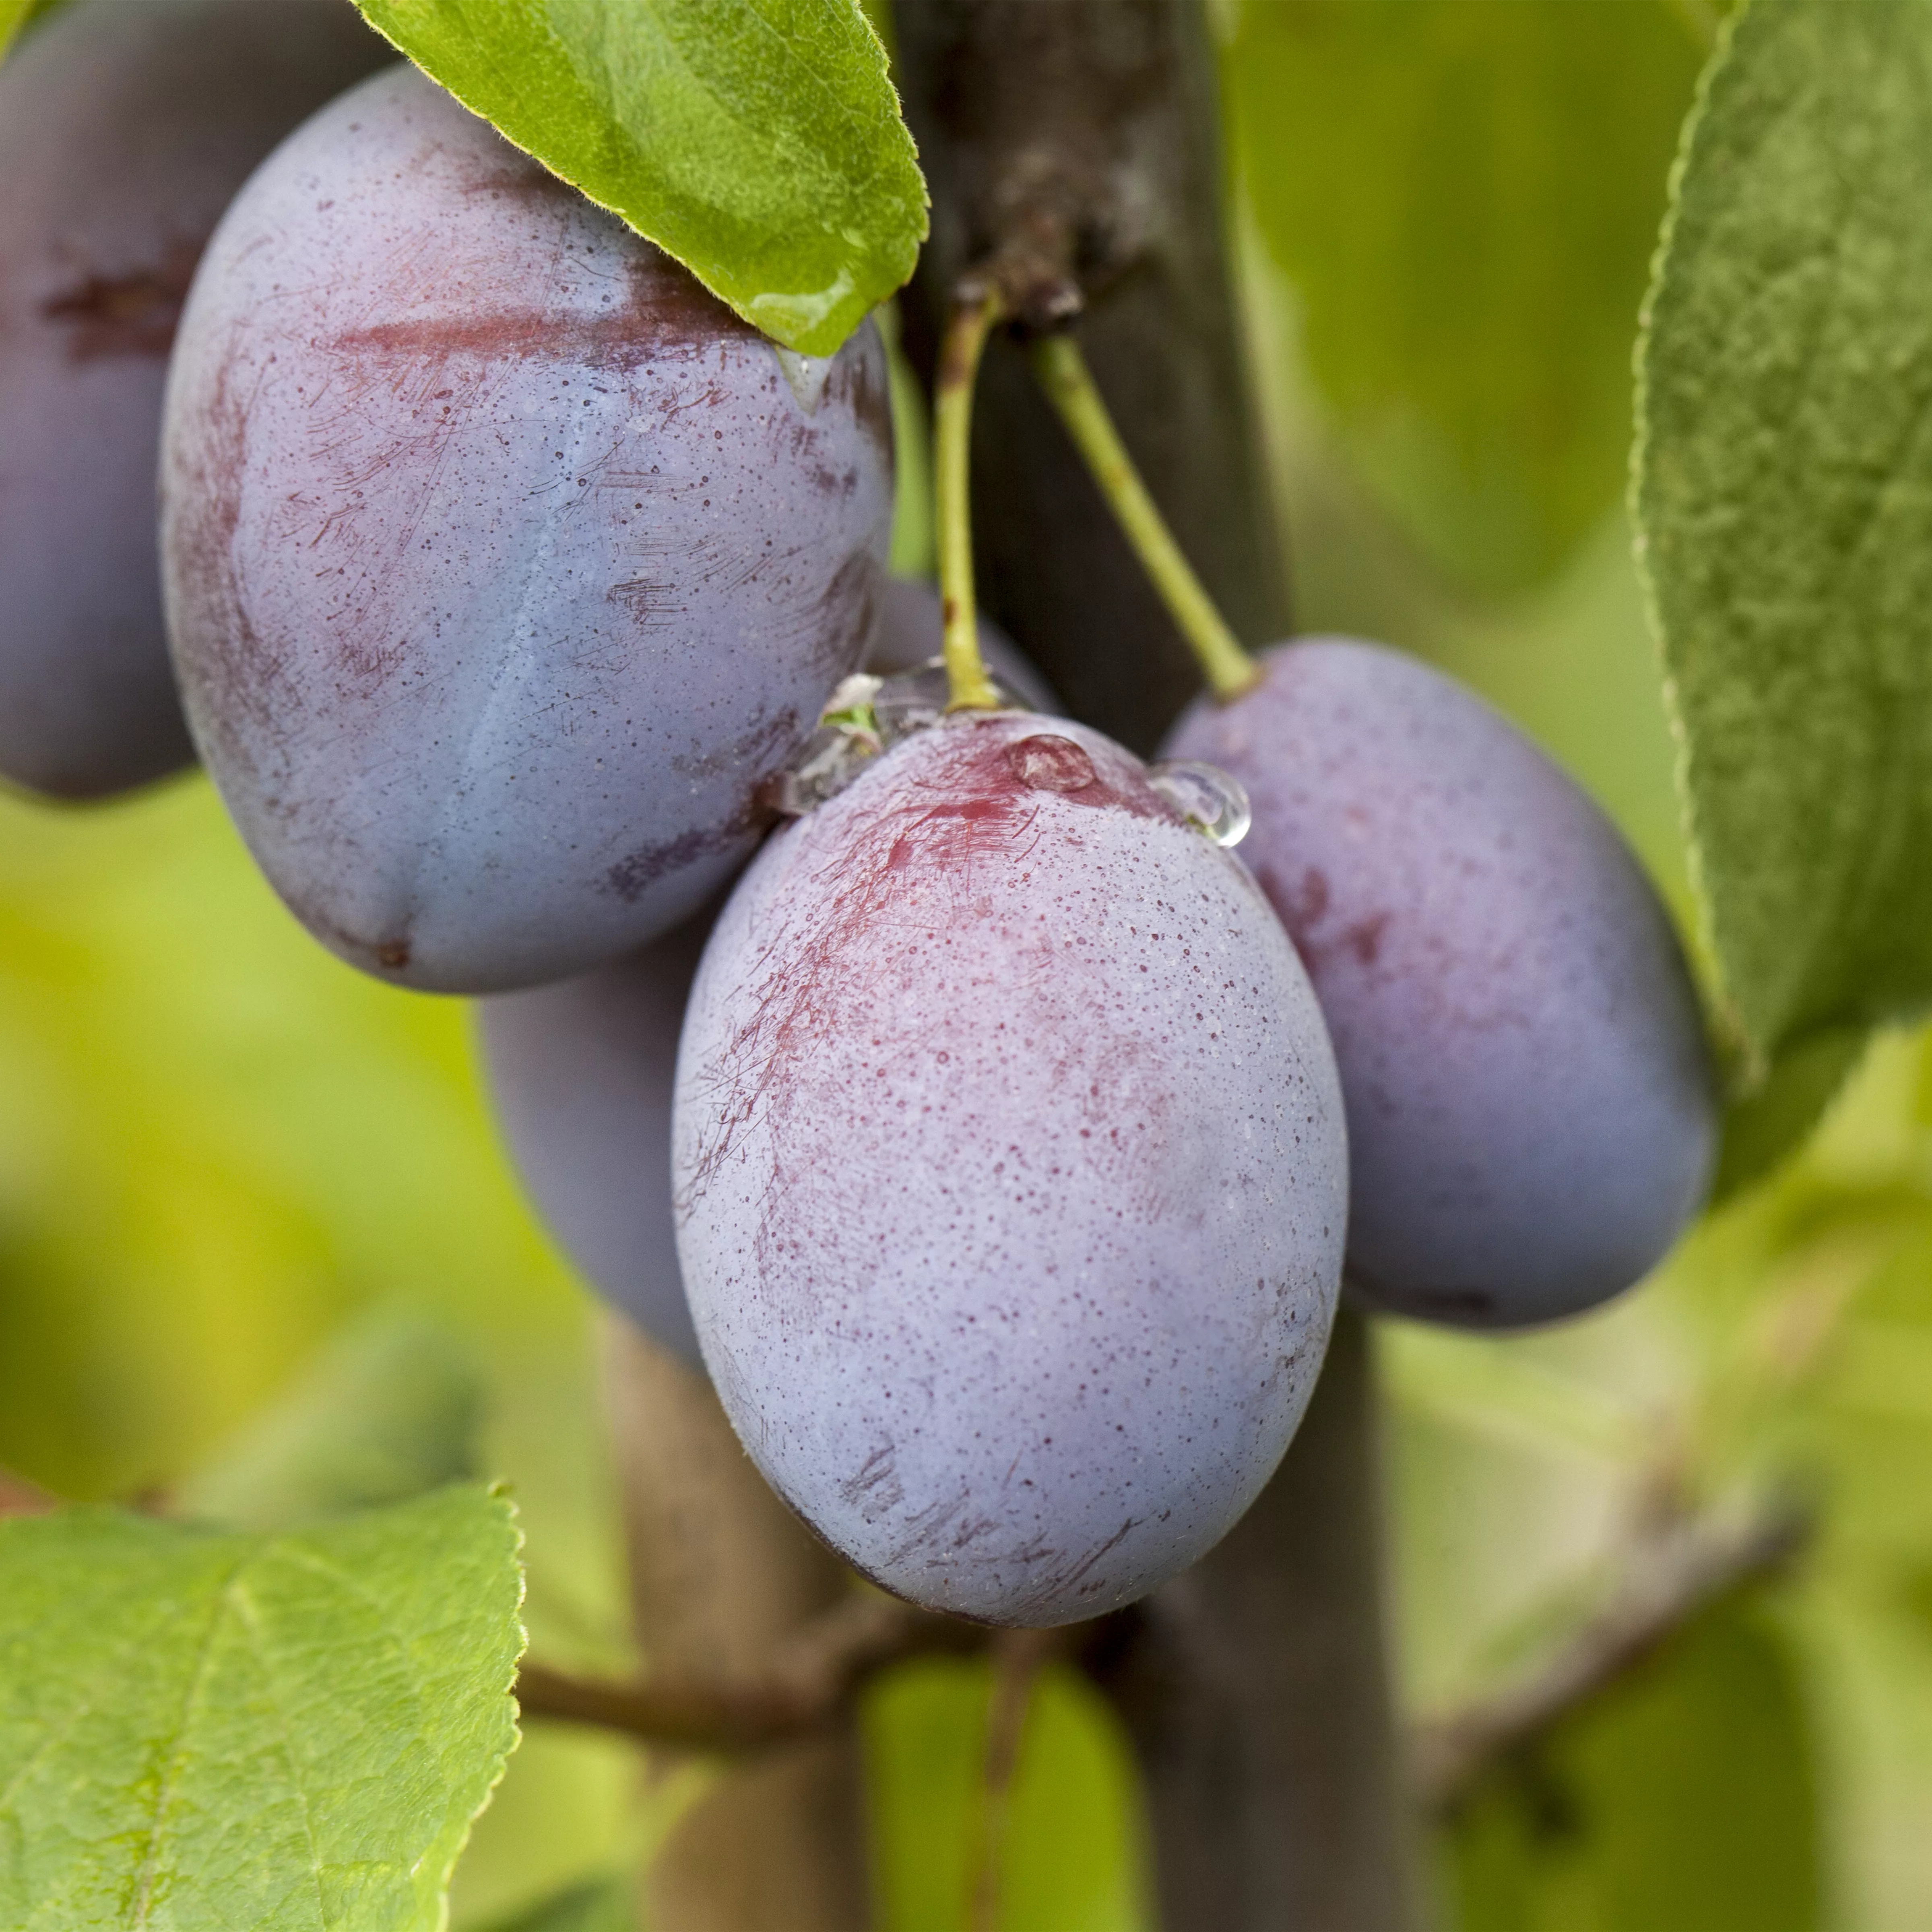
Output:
x=608 y=1905
x=295 y=1731
x=1464 y=196
x=391 y=1410
x=16 y=15
x=758 y=141
x=1774 y=1120
x=1685 y=1800
x=1783 y=498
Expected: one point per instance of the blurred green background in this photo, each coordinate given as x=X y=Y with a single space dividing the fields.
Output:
x=218 y=1148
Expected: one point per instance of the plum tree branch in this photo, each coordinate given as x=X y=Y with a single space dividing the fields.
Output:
x=810 y=1678
x=19 y=1497
x=1673 y=1577
x=1018 y=1657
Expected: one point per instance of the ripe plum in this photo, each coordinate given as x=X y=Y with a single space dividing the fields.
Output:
x=580 y=1083
x=1010 y=1173
x=580 y=1072
x=1532 y=1118
x=503 y=563
x=124 y=131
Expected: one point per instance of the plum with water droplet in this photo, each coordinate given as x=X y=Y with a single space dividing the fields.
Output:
x=580 y=1072
x=1531 y=1110
x=1010 y=1173
x=503 y=563
x=124 y=131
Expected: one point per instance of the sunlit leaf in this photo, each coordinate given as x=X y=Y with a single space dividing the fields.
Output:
x=285 y=1732
x=758 y=141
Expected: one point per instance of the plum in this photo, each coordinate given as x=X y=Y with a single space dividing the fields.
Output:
x=580 y=1072
x=1010 y=1173
x=503 y=563
x=1531 y=1112
x=124 y=131
x=580 y=1078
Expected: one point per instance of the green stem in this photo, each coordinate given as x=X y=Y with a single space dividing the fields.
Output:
x=1069 y=386
x=971 y=689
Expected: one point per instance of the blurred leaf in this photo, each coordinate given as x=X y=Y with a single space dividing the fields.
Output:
x=1784 y=496
x=15 y=15
x=610 y=1905
x=293 y=1731
x=758 y=141
x=1772 y=1121
x=1683 y=1800
x=1465 y=194
x=391 y=1411
x=1070 y=1863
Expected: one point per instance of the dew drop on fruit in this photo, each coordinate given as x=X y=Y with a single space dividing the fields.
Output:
x=1211 y=800
x=1046 y=762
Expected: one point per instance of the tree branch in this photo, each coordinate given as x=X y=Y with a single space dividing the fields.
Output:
x=1675 y=1574
x=1018 y=1657
x=19 y=1497
x=812 y=1677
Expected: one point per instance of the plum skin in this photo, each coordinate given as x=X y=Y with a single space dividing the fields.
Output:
x=581 y=1072
x=502 y=562
x=1009 y=1174
x=580 y=1078
x=1531 y=1110
x=124 y=131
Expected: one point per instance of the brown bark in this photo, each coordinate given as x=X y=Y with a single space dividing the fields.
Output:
x=1256 y=1686
x=722 y=1575
x=1092 y=123
x=1257 y=1693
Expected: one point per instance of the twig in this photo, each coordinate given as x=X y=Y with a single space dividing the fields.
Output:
x=1018 y=1656
x=19 y=1497
x=807 y=1682
x=1680 y=1572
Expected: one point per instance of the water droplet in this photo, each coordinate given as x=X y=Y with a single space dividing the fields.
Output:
x=1211 y=800
x=805 y=376
x=1046 y=762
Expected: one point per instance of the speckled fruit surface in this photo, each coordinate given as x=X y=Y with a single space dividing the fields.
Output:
x=502 y=562
x=1531 y=1114
x=124 y=131
x=1010 y=1173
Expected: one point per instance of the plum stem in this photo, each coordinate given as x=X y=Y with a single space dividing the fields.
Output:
x=1070 y=387
x=973 y=318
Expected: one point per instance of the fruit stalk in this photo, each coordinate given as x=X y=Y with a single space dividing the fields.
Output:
x=973 y=317
x=1070 y=387
x=1084 y=134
